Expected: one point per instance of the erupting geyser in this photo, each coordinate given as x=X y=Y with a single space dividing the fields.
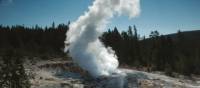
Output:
x=83 y=37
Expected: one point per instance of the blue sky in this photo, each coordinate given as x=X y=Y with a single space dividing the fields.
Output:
x=166 y=16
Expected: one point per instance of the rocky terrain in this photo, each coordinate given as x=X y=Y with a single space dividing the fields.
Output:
x=65 y=74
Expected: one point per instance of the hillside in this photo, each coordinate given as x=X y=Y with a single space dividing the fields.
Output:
x=191 y=35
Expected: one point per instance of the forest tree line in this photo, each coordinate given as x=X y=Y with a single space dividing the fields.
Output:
x=18 y=42
x=157 y=52
x=33 y=40
x=179 y=53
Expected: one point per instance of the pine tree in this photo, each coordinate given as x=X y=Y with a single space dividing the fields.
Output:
x=12 y=74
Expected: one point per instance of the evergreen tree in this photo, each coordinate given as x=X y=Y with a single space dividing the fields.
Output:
x=12 y=74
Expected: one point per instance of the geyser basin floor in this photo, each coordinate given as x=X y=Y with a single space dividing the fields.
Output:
x=50 y=74
x=138 y=79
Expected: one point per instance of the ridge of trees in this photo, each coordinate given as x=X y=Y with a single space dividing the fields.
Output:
x=158 y=52
x=33 y=41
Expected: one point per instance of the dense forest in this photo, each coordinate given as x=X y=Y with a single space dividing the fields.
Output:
x=18 y=43
x=33 y=41
x=169 y=53
x=177 y=52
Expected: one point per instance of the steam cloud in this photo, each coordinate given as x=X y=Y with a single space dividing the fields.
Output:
x=83 y=42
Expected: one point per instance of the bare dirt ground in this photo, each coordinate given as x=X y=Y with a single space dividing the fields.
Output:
x=65 y=74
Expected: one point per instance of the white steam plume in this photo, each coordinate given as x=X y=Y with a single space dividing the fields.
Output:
x=83 y=37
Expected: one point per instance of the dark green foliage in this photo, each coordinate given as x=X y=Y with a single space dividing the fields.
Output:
x=33 y=41
x=170 y=53
x=12 y=72
x=158 y=52
x=19 y=41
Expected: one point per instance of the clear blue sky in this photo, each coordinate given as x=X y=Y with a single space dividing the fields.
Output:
x=166 y=16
